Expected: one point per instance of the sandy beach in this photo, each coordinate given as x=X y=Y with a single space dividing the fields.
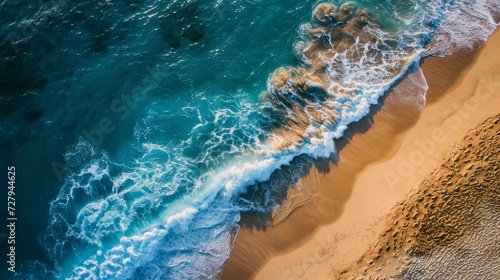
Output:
x=447 y=229
x=346 y=213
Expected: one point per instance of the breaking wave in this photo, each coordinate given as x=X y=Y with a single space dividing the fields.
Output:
x=173 y=212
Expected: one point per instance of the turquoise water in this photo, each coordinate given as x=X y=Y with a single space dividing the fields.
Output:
x=140 y=132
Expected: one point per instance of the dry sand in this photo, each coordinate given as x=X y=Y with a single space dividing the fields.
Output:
x=384 y=160
x=449 y=228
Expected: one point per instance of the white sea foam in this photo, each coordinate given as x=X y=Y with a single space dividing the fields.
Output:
x=191 y=235
x=466 y=27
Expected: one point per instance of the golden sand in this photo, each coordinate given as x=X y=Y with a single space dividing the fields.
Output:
x=350 y=204
x=458 y=200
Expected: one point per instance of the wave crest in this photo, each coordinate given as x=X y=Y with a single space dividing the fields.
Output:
x=347 y=61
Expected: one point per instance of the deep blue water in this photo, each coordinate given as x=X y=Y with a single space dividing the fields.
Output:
x=140 y=133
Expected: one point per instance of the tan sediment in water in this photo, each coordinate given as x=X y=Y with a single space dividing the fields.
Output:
x=377 y=169
x=338 y=41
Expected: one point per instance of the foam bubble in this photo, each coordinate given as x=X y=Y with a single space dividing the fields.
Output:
x=466 y=27
x=173 y=212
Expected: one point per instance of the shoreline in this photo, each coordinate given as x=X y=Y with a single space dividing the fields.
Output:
x=351 y=200
x=448 y=228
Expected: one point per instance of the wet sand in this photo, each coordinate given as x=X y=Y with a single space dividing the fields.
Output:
x=345 y=208
x=449 y=228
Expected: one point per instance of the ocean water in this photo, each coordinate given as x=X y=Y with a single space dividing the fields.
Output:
x=142 y=130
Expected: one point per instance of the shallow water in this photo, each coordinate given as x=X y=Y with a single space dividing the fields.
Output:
x=140 y=131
